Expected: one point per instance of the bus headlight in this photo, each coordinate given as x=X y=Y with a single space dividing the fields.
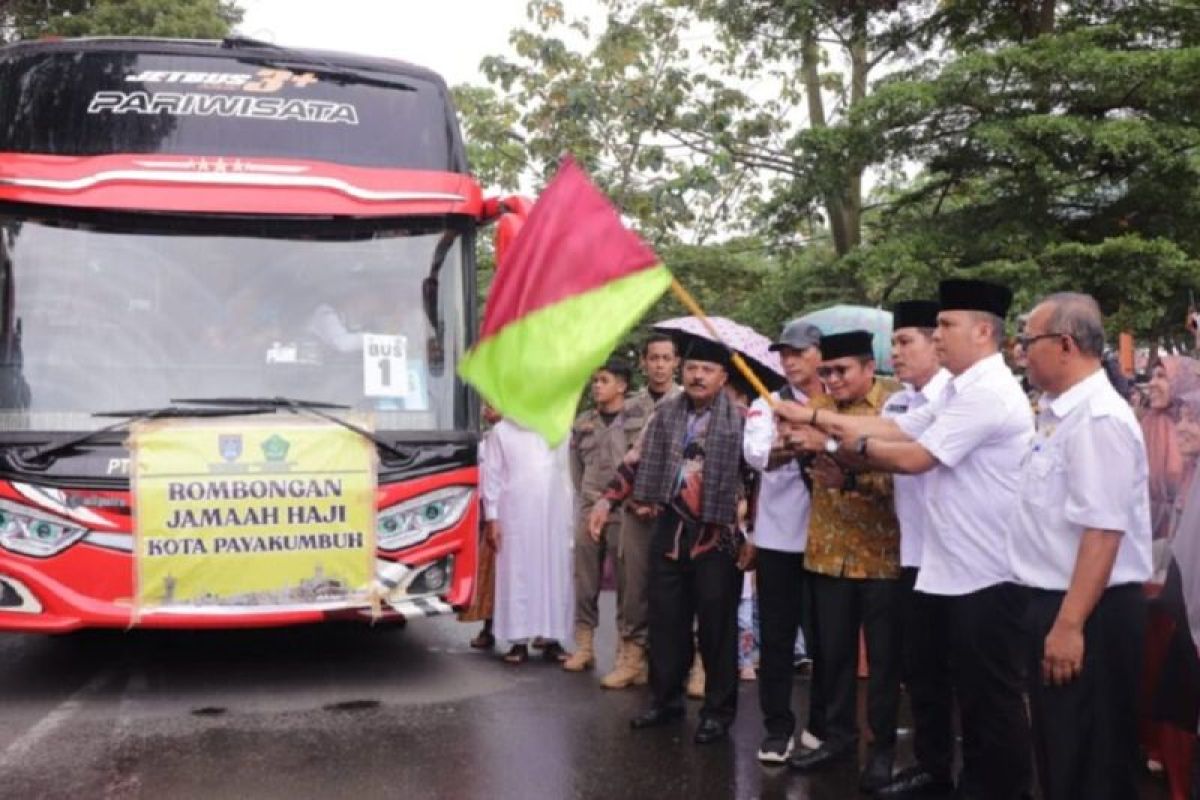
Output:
x=25 y=531
x=415 y=520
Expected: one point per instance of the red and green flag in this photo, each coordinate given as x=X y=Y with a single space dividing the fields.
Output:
x=574 y=281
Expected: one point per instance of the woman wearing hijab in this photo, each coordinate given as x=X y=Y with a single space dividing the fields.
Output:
x=1171 y=378
x=1172 y=681
x=1185 y=538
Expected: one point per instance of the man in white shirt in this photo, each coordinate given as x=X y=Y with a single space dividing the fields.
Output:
x=926 y=668
x=1082 y=545
x=780 y=533
x=972 y=440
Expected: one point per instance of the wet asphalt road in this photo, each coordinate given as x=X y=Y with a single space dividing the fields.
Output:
x=350 y=712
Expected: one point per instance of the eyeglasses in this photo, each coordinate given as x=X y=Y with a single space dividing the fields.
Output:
x=837 y=369
x=1025 y=341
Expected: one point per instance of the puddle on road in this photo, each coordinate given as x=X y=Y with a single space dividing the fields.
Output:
x=353 y=705
x=208 y=711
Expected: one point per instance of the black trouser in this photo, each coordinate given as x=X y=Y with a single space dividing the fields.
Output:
x=706 y=589
x=1085 y=733
x=784 y=605
x=926 y=671
x=843 y=606
x=987 y=647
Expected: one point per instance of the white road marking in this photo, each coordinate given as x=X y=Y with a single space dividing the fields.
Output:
x=53 y=720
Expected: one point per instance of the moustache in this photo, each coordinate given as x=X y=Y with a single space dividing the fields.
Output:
x=697 y=384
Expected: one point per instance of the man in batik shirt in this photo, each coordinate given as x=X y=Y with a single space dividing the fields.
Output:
x=853 y=555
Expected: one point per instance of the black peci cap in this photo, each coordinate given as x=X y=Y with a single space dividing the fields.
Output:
x=915 y=314
x=959 y=294
x=696 y=348
x=850 y=343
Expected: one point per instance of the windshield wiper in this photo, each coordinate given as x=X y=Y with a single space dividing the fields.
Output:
x=293 y=60
x=314 y=407
x=42 y=457
x=258 y=402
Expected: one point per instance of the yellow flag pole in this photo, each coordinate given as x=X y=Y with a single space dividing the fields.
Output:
x=696 y=311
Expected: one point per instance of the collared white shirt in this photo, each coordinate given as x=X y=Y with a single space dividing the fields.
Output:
x=1086 y=469
x=978 y=430
x=910 y=489
x=784 y=503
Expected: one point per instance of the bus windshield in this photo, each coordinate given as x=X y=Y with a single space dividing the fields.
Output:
x=125 y=312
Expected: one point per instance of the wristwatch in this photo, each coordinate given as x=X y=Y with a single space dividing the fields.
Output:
x=831 y=445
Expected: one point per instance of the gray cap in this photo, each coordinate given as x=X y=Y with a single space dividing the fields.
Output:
x=799 y=335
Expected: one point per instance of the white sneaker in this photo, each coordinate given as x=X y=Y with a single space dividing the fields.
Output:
x=808 y=741
x=775 y=750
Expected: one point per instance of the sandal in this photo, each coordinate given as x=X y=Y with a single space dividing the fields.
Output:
x=485 y=640
x=554 y=653
x=518 y=654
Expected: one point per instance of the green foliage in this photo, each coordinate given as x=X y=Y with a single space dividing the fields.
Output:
x=496 y=152
x=1152 y=303
x=1062 y=157
x=629 y=99
x=191 y=19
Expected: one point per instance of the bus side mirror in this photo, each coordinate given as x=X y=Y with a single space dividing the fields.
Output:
x=510 y=213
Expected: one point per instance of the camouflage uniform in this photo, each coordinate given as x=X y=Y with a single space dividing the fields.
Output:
x=597 y=449
x=633 y=556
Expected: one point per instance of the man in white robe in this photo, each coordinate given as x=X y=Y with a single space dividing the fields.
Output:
x=527 y=506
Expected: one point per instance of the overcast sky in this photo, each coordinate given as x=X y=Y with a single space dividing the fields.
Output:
x=447 y=36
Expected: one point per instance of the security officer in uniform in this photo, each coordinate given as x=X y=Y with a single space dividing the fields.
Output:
x=600 y=439
x=659 y=362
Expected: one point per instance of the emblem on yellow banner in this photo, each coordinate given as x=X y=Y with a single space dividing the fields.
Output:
x=242 y=513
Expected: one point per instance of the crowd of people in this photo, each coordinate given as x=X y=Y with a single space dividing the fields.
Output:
x=1019 y=552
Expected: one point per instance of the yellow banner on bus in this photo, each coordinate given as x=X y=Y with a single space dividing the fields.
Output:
x=242 y=513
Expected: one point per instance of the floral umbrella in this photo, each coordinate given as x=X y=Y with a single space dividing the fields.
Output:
x=751 y=344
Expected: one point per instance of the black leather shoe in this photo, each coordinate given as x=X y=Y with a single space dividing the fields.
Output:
x=655 y=716
x=709 y=731
x=824 y=756
x=878 y=772
x=916 y=782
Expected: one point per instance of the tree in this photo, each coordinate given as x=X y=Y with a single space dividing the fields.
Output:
x=497 y=155
x=1059 y=149
x=801 y=44
x=200 y=19
x=607 y=95
x=1049 y=145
